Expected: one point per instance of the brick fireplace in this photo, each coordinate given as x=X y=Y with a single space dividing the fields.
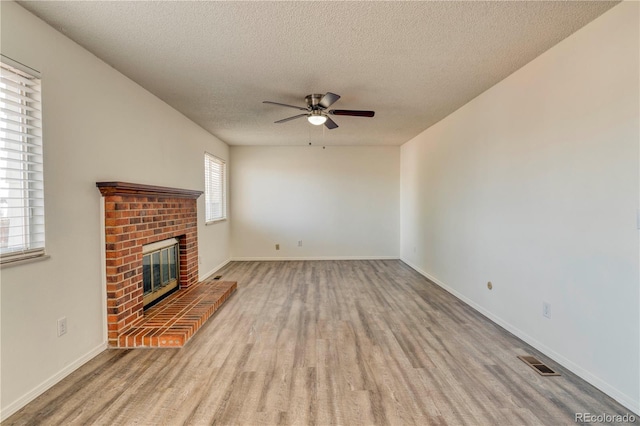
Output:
x=137 y=215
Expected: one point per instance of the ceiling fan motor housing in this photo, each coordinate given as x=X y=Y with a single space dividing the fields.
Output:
x=313 y=101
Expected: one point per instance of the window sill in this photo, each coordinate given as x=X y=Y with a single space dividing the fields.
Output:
x=28 y=260
x=213 y=222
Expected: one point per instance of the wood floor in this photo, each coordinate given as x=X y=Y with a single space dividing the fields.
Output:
x=325 y=342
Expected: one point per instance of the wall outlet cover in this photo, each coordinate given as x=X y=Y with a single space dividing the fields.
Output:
x=62 y=326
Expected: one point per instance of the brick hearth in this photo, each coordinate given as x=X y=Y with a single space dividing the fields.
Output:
x=136 y=215
x=175 y=320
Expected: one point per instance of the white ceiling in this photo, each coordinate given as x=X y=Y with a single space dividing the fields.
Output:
x=412 y=62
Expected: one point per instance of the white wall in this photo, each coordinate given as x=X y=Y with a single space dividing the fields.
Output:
x=534 y=186
x=342 y=202
x=98 y=126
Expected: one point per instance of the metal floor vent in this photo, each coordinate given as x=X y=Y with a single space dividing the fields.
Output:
x=538 y=365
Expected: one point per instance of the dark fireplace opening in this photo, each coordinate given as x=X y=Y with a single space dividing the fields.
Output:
x=160 y=270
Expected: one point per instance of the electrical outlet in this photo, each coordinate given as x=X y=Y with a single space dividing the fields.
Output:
x=199 y=260
x=546 y=310
x=277 y=246
x=300 y=243
x=62 y=326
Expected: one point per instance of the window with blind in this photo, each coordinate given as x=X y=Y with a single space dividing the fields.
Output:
x=214 y=193
x=21 y=177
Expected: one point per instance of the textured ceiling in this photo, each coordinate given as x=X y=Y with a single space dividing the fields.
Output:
x=412 y=62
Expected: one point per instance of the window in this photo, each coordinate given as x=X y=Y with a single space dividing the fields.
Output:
x=214 y=183
x=21 y=178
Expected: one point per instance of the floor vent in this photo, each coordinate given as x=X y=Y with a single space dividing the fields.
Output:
x=537 y=365
x=217 y=277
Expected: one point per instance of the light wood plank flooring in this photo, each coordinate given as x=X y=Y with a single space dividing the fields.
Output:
x=325 y=342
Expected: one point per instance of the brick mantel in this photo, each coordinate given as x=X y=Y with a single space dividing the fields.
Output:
x=135 y=215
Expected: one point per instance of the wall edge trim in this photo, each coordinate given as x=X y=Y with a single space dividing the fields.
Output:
x=215 y=269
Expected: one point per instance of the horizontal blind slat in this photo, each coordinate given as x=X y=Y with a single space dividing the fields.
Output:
x=19 y=123
x=18 y=97
x=19 y=105
x=15 y=77
x=22 y=152
x=19 y=143
x=18 y=161
x=18 y=86
x=22 y=134
x=13 y=113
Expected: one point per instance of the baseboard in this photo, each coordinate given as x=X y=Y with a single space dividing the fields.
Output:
x=600 y=384
x=6 y=412
x=214 y=270
x=252 y=259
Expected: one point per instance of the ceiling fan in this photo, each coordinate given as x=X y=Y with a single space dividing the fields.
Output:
x=316 y=110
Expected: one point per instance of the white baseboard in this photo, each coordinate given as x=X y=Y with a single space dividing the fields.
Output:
x=6 y=412
x=605 y=387
x=251 y=259
x=214 y=270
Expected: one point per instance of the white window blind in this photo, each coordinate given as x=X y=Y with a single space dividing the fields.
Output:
x=214 y=194
x=21 y=177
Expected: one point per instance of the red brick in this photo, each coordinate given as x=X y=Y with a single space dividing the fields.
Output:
x=111 y=214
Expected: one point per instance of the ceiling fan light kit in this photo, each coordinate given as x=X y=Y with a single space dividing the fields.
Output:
x=316 y=110
x=316 y=118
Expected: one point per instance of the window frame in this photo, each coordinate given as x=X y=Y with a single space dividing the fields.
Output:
x=212 y=180
x=23 y=156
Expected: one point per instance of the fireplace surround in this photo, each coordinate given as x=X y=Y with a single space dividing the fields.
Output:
x=138 y=215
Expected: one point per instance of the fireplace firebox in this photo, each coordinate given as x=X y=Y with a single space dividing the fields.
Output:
x=160 y=266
